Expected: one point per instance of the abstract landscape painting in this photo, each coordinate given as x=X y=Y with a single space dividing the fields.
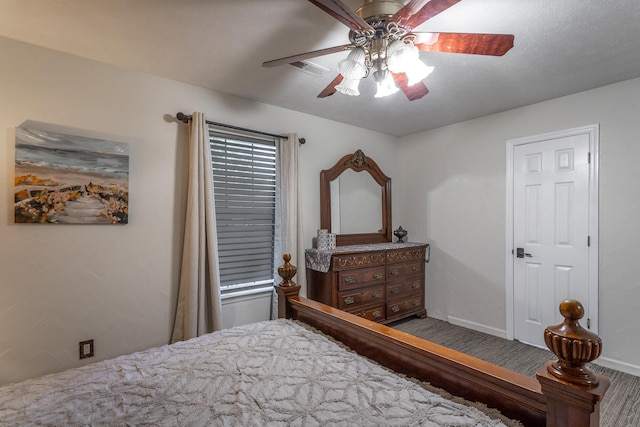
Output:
x=67 y=179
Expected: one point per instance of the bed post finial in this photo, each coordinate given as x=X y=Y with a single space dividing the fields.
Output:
x=573 y=392
x=287 y=288
x=287 y=271
x=574 y=346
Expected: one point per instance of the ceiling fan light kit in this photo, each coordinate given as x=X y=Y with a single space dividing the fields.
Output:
x=400 y=55
x=418 y=72
x=349 y=87
x=384 y=44
x=353 y=67
x=386 y=87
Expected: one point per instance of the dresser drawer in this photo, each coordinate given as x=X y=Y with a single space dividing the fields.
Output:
x=362 y=296
x=375 y=313
x=400 y=289
x=404 y=269
x=351 y=279
x=400 y=307
x=363 y=260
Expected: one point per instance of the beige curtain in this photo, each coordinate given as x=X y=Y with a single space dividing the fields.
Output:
x=199 y=310
x=289 y=236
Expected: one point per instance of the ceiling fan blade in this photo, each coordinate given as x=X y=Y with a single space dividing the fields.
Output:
x=331 y=88
x=307 y=55
x=476 y=44
x=414 y=92
x=342 y=13
x=416 y=12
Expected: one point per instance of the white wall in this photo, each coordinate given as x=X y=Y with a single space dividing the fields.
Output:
x=122 y=285
x=118 y=284
x=452 y=189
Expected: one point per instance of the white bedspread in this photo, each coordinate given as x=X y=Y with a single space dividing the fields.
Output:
x=272 y=373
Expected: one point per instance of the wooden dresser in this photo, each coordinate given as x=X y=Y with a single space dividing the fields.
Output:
x=382 y=282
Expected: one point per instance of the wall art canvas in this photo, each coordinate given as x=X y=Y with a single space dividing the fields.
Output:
x=68 y=179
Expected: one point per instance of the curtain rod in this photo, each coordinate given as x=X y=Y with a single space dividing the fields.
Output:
x=185 y=119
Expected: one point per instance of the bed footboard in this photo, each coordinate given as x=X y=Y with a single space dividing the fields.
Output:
x=565 y=393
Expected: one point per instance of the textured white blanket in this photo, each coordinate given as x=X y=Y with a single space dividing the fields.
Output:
x=275 y=373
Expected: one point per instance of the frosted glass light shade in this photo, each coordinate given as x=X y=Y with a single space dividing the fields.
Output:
x=349 y=87
x=401 y=55
x=417 y=71
x=386 y=87
x=352 y=67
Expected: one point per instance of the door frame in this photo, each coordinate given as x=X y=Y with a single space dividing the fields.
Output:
x=593 y=131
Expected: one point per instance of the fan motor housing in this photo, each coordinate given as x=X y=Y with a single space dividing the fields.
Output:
x=374 y=9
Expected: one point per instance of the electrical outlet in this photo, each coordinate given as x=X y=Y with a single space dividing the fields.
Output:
x=86 y=349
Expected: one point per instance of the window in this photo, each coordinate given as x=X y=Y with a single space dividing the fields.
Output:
x=244 y=180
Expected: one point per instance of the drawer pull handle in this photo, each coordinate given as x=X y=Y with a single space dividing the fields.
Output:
x=363 y=313
x=416 y=268
x=395 y=290
x=394 y=272
x=349 y=279
x=377 y=276
x=349 y=300
x=376 y=294
x=416 y=302
x=377 y=314
x=395 y=308
x=415 y=285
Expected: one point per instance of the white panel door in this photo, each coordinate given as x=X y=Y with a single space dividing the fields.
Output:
x=550 y=232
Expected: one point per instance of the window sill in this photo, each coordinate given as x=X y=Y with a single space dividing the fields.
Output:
x=247 y=292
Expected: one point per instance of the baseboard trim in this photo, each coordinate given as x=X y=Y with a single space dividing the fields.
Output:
x=477 y=327
x=628 y=368
x=605 y=362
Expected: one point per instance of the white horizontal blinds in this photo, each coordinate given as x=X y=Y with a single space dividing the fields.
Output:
x=244 y=181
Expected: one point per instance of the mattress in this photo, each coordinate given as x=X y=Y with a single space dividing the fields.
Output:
x=275 y=373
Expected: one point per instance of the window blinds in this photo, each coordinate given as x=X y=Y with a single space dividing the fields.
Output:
x=244 y=180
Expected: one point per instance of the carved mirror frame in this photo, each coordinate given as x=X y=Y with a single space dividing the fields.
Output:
x=357 y=162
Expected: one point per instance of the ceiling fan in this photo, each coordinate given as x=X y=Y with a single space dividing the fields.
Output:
x=382 y=43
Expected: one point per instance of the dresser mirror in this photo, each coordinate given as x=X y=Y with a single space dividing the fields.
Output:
x=355 y=201
x=355 y=204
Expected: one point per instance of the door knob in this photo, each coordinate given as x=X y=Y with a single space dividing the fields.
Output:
x=521 y=254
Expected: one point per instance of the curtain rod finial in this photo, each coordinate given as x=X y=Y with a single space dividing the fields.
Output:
x=302 y=140
x=183 y=117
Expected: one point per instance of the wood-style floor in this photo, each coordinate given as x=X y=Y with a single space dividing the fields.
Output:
x=620 y=407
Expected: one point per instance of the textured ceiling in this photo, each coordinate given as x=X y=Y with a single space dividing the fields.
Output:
x=561 y=47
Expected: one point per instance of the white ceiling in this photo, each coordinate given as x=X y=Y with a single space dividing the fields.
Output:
x=561 y=47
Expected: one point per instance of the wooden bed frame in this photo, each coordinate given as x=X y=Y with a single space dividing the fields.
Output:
x=563 y=394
